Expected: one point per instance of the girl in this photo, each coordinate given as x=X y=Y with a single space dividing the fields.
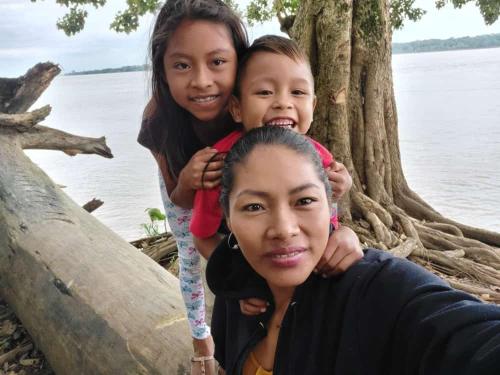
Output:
x=384 y=316
x=195 y=48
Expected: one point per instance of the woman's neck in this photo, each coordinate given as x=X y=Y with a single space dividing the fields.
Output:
x=282 y=297
x=209 y=132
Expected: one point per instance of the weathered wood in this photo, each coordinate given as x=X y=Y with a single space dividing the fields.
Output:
x=92 y=205
x=91 y=301
x=25 y=120
x=18 y=94
x=41 y=137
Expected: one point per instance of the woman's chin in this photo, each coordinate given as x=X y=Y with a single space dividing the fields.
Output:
x=287 y=278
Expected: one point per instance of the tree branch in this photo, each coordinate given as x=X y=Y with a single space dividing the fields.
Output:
x=25 y=120
x=42 y=137
x=18 y=95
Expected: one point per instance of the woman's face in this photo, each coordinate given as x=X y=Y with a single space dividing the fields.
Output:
x=279 y=213
x=200 y=67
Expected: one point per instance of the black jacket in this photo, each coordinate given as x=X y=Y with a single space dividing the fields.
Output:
x=384 y=316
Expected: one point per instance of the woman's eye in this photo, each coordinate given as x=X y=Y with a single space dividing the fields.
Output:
x=181 y=66
x=305 y=201
x=252 y=207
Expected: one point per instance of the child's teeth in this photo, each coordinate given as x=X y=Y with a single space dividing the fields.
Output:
x=281 y=123
x=205 y=99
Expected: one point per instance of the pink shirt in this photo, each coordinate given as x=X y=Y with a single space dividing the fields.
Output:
x=207 y=213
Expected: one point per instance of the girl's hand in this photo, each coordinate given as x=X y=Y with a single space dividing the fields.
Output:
x=340 y=179
x=203 y=171
x=342 y=251
x=253 y=306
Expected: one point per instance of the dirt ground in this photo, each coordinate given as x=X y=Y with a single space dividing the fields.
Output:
x=18 y=353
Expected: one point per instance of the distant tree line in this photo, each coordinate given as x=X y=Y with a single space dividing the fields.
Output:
x=429 y=45
x=128 y=68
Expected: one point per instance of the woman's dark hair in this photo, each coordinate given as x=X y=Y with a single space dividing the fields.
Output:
x=273 y=44
x=268 y=135
x=179 y=141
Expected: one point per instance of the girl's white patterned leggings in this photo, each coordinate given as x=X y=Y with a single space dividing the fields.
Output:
x=190 y=275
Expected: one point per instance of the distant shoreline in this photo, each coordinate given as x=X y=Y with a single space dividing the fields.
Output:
x=419 y=46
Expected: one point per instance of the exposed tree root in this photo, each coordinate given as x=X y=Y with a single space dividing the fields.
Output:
x=421 y=212
x=441 y=246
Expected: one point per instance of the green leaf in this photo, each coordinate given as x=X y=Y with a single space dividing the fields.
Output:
x=155 y=214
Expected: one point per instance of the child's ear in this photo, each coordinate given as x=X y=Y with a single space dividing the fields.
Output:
x=234 y=108
x=315 y=101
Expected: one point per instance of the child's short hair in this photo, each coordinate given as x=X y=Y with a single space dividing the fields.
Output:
x=273 y=44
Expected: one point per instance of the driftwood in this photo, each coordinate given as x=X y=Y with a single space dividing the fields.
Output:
x=92 y=205
x=156 y=247
x=92 y=303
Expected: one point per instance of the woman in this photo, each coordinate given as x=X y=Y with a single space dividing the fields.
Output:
x=385 y=315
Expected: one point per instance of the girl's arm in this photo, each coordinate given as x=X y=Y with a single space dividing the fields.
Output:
x=206 y=246
x=203 y=171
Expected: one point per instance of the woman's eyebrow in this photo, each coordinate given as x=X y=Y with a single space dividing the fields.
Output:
x=264 y=194
x=302 y=187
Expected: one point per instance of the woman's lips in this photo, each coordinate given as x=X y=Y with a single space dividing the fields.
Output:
x=286 y=257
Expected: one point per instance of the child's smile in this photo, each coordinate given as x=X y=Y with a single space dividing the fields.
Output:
x=200 y=67
x=275 y=90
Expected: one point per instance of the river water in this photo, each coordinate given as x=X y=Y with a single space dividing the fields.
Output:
x=449 y=128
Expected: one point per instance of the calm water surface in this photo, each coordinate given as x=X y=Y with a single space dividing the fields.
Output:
x=449 y=124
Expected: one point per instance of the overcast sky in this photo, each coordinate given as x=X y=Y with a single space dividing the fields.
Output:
x=28 y=35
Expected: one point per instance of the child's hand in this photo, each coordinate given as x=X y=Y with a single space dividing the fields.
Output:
x=340 y=179
x=203 y=171
x=253 y=306
x=342 y=251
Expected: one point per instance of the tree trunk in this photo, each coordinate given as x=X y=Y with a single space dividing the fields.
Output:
x=92 y=302
x=349 y=45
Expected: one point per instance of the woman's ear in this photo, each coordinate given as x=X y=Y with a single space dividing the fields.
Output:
x=235 y=108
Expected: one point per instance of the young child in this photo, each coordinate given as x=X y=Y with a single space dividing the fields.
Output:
x=274 y=87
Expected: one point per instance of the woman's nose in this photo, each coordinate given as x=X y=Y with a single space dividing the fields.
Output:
x=283 y=224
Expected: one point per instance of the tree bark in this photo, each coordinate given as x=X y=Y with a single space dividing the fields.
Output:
x=349 y=46
x=92 y=302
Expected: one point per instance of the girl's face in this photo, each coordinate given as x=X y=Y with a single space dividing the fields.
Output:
x=279 y=213
x=200 y=67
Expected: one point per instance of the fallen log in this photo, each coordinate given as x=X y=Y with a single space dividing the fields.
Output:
x=92 y=303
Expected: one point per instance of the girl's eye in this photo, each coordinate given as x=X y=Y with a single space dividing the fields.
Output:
x=264 y=92
x=252 y=207
x=219 y=62
x=181 y=66
x=298 y=92
x=305 y=201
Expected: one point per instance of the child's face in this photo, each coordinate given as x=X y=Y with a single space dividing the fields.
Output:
x=275 y=90
x=200 y=67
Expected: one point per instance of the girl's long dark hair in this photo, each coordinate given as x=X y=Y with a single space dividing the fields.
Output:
x=178 y=141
